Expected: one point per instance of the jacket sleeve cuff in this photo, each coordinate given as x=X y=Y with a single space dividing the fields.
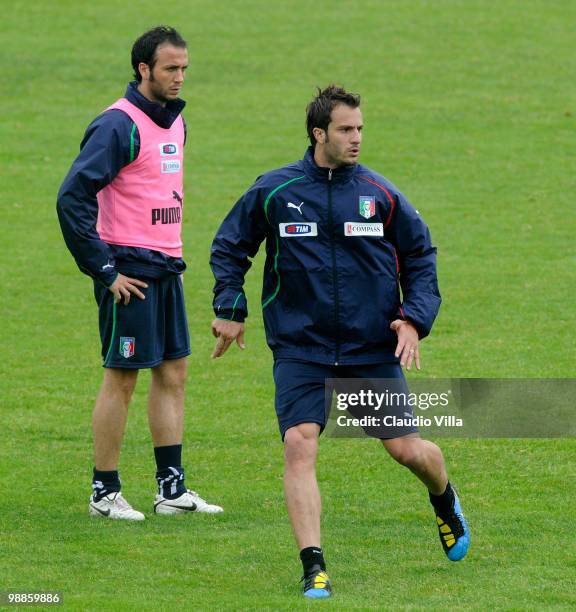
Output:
x=400 y=314
x=104 y=278
x=231 y=305
x=107 y=278
x=230 y=315
x=406 y=315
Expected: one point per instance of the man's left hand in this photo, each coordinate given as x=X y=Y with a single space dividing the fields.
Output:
x=407 y=348
x=226 y=332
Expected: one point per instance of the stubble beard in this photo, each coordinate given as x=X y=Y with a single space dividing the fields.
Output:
x=156 y=91
x=339 y=162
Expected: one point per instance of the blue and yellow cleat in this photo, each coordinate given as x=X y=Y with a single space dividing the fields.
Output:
x=317 y=584
x=453 y=531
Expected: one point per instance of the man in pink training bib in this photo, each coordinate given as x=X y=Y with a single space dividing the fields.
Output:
x=120 y=209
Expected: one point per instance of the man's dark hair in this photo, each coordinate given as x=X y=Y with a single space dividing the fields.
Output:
x=318 y=111
x=144 y=49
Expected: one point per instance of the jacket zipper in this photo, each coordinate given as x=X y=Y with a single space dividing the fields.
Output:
x=334 y=272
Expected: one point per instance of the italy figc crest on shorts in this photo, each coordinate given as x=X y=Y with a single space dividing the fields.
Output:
x=367 y=206
x=127 y=346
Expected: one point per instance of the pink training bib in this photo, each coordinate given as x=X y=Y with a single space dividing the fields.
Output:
x=142 y=206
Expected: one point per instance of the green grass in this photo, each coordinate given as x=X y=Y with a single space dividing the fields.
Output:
x=469 y=108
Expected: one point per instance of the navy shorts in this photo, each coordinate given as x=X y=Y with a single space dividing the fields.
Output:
x=303 y=397
x=144 y=333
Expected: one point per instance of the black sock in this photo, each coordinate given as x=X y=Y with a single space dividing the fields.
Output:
x=313 y=555
x=169 y=471
x=443 y=503
x=168 y=455
x=104 y=483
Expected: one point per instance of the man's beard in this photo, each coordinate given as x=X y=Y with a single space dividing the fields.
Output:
x=157 y=93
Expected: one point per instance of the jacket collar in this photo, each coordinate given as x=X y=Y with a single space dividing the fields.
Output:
x=315 y=172
x=164 y=116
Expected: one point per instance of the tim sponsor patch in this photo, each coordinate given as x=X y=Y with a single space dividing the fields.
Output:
x=170 y=166
x=298 y=230
x=351 y=228
x=168 y=148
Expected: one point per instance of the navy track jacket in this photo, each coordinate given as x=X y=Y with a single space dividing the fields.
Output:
x=342 y=247
x=111 y=142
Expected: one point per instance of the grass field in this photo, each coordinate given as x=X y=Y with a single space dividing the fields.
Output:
x=470 y=108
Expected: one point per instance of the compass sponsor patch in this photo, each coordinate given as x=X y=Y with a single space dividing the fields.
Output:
x=352 y=228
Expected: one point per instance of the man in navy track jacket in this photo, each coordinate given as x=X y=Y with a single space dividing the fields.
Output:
x=349 y=290
x=120 y=210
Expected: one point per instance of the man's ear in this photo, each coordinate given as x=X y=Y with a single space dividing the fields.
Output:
x=320 y=135
x=144 y=70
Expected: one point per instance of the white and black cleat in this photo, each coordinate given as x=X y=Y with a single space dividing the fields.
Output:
x=187 y=502
x=114 y=506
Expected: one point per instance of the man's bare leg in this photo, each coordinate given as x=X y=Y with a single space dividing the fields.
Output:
x=423 y=458
x=166 y=420
x=166 y=402
x=110 y=414
x=300 y=485
x=304 y=504
x=108 y=424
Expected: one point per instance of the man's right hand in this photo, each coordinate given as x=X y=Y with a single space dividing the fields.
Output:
x=226 y=332
x=123 y=286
